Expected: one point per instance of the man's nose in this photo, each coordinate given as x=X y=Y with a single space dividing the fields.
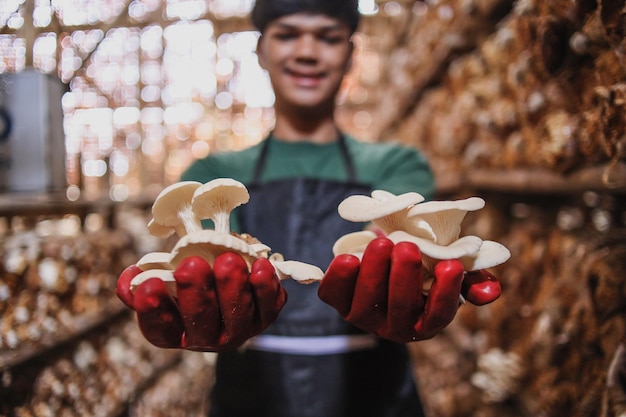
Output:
x=307 y=47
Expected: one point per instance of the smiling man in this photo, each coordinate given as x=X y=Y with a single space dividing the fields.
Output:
x=335 y=348
x=310 y=361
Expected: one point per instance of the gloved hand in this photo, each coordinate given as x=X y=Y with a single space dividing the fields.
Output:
x=383 y=293
x=216 y=308
x=480 y=287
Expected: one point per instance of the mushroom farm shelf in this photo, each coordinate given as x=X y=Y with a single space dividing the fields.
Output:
x=68 y=346
x=607 y=178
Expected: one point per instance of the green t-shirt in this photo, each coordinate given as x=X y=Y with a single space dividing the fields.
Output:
x=384 y=166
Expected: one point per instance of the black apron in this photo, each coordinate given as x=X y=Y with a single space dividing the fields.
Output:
x=298 y=218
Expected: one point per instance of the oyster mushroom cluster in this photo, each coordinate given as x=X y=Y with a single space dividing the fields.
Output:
x=434 y=226
x=181 y=207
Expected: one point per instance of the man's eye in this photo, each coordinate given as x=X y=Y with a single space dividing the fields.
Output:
x=285 y=36
x=332 y=40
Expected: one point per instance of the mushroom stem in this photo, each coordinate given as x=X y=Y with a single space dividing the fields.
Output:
x=172 y=210
x=216 y=199
x=221 y=221
x=189 y=222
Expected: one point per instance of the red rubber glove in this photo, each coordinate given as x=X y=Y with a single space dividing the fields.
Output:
x=216 y=308
x=481 y=287
x=383 y=293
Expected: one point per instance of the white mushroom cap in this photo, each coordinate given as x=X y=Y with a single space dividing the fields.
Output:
x=216 y=199
x=384 y=209
x=489 y=255
x=298 y=271
x=154 y=260
x=172 y=208
x=361 y=208
x=208 y=244
x=440 y=221
x=166 y=276
x=353 y=243
x=261 y=249
x=432 y=252
x=159 y=230
x=473 y=252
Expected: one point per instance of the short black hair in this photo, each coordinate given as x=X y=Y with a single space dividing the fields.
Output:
x=266 y=11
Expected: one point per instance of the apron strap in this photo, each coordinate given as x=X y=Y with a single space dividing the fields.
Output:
x=347 y=159
x=260 y=163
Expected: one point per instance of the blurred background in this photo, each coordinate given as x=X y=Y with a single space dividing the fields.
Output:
x=523 y=103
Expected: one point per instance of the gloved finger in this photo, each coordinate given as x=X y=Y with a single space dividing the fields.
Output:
x=197 y=302
x=481 y=287
x=269 y=295
x=369 y=304
x=234 y=297
x=443 y=299
x=122 y=289
x=337 y=286
x=158 y=315
x=405 y=300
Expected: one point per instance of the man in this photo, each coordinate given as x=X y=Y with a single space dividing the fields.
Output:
x=309 y=360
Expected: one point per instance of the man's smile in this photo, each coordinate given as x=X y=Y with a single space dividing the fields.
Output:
x=305 y=78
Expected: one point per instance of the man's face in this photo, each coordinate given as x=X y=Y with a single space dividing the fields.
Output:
x=306 y=56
